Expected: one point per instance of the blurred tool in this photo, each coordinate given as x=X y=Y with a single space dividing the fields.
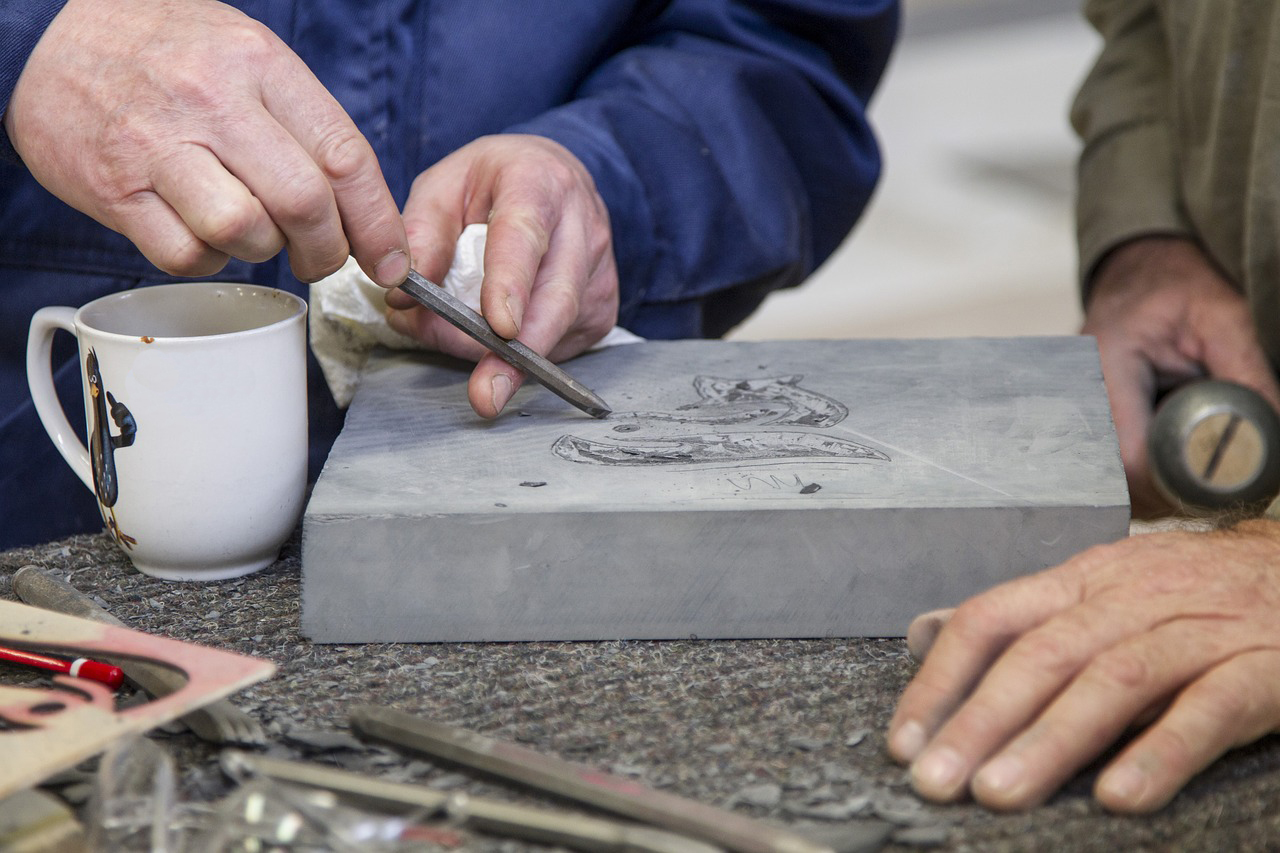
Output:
x=1214 y=445
x=218 y=722
x=560 y=828
x=585 y=785
x=78 y=668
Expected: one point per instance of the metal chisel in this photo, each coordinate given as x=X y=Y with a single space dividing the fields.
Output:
x=578 y=832
x=513 y=353
x=582 y=784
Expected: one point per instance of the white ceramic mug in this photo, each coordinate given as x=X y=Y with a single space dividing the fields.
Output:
x=196 y=406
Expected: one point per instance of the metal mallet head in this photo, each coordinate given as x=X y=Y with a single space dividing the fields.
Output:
x=1215 y=445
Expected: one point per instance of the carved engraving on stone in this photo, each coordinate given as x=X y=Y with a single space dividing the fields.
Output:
x=739 y=420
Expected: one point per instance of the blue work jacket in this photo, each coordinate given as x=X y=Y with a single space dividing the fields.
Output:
x=728 y=140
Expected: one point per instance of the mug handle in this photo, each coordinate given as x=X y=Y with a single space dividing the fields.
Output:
x=44 y=324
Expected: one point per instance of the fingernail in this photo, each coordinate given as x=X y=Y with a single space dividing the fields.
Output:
x=1002 y=776
x=516 y=311
x=1125 y=782
x=939 y=772
x=923 y=632
x=392 y=269
x=908 y=741
x=501 y=385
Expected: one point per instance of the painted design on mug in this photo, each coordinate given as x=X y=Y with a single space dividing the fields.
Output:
x=103 y=445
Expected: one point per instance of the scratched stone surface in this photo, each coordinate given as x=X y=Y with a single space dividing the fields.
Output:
x=739 y=489
x=790 y=732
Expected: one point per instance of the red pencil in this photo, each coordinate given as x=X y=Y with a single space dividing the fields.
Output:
x=109 y=675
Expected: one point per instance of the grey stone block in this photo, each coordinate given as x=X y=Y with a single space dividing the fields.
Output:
x=740 y=489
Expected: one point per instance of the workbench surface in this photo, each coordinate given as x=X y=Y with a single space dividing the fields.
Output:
x=787 y=731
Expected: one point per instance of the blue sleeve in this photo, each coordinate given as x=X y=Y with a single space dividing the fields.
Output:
x=22 y=22
x=731 y=145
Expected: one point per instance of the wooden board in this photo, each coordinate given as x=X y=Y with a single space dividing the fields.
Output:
x=744 y=489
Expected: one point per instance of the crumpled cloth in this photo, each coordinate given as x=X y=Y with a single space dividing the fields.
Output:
x=348 y=315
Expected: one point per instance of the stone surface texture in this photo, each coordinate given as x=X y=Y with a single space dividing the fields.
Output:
x=762 y=489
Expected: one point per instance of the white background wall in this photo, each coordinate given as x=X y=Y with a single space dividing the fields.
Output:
x=971 y=231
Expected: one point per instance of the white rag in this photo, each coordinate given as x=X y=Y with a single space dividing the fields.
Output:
x=348 y=315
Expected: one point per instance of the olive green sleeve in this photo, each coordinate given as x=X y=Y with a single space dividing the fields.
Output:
x=1127 y=175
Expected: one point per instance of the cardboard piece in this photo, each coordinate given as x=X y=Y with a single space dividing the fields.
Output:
x=47 y=730
x=740 y=489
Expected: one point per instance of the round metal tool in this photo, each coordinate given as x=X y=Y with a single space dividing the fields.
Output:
x=1215 y=444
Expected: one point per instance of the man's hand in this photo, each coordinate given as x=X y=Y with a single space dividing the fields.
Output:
x=1163 y=315
x=196 y=133
x=549 y=272
x=1029 y=682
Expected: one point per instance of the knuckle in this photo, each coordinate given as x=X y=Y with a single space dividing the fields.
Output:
x=600 y=243
x=263 y=249
x=342 y=153
x=1176 y=751
x=975 y=617
x=229 y=224
x=1239 y=704
x=255 y=41
x=1124 y=668
x=303 y=199
x=194 y=86
x=189 y=258
x=527 y=223
x=563 y=296
x=242 y=43
x=1048 y=651
x=601 y=215
x=199 y=73
x=121 y=168
x=559 y=172
x=313 y=267
x=332 y=264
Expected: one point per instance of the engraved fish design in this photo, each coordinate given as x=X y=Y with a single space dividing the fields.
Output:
x=714 y=448
x=757 y=406
x=739 y=402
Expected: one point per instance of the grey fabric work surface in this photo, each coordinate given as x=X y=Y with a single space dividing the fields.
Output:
x=786 y=729
x=739 y=490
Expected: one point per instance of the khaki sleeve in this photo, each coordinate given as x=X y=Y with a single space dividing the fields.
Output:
x=1127 y=174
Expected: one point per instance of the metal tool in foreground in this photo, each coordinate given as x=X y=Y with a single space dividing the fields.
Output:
x=578 y=832
x=1214 y=444
x=513 y=353
x=218 y=722
x=576 y=782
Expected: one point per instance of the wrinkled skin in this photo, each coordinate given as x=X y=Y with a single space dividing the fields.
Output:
x=1162 y=315
x=199 y=135
x=1170 y=637
x=550 y=275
